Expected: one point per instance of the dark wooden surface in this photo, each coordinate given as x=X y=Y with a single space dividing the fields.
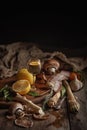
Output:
x=79 y=122
x=53 y=123
x=58 y=120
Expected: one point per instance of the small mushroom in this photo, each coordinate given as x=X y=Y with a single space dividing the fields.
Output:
x=16 y=112
x=16 y=109
x=25 y=122
x=51 y=66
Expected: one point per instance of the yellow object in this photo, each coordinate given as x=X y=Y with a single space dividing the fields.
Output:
x=35 y=63
x=25 y=74
x=21 y=86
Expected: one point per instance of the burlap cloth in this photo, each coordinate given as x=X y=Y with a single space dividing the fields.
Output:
x=16 y=55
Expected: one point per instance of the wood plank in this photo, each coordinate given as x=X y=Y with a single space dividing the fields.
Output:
x=57 y=121
x=79 y=121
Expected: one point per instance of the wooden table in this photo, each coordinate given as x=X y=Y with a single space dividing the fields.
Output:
x=58 y=120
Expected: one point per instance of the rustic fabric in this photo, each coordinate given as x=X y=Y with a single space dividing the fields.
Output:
x=16 y=55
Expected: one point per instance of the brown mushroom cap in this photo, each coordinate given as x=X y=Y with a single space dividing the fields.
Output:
x=51 y=63
x=41 y=117
x=24 y=122
x=14 y=107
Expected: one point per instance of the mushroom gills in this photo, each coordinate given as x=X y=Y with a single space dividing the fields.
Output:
x=24 y=122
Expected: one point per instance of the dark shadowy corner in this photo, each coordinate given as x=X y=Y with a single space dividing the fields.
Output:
x=48 y=29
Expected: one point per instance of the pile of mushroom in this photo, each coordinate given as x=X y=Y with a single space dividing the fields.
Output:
x=22 y=112
x=21 y=118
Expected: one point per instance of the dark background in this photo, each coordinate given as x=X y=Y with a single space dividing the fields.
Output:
x=47 y=28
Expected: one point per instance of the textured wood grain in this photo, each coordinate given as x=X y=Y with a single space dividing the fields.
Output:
x=79 y=121
x=57 y=121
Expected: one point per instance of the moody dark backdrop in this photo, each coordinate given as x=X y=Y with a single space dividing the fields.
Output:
x=46 y=28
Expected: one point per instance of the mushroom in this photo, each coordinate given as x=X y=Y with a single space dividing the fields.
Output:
x=29 y=103
x=15 y=110
x=25 y=122
x=41 y=117
x=51 y=66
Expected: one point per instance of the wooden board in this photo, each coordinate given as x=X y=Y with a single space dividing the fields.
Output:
x=58 y=120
